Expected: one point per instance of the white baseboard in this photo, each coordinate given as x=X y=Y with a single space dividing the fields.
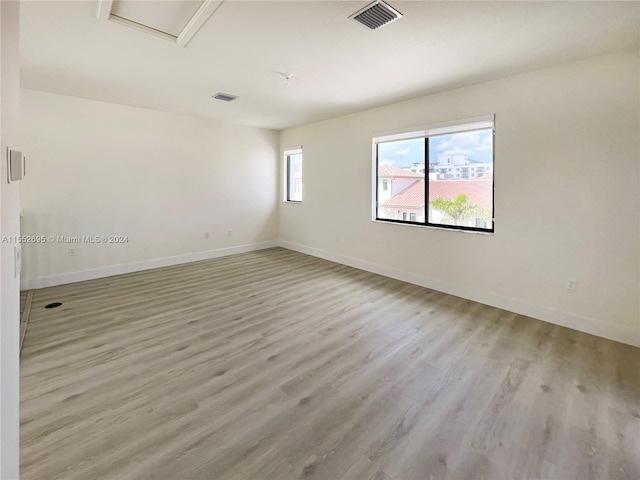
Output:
x=72 y=277
x=547 y=314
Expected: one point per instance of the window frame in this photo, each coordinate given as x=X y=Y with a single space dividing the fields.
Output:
x=287 y=187
x=484 y=122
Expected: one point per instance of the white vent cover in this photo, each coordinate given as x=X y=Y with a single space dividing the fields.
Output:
x=376 y=15
x=225 y=97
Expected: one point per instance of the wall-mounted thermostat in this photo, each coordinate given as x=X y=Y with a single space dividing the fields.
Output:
x=16 y=165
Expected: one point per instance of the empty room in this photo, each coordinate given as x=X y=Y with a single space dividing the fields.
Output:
x=338 y=240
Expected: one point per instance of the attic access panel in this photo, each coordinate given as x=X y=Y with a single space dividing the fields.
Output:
x=173 y=20
x=169 y=17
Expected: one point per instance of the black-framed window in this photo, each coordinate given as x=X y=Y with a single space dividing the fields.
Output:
x=457 y=159
x=293 y=175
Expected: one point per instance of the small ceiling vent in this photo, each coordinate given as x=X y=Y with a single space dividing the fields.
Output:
x=225 y=97
x=376 y=15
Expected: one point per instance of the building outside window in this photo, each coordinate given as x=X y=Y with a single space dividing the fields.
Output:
x=459 y=185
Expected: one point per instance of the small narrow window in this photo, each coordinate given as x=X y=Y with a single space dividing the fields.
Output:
x=293 y=175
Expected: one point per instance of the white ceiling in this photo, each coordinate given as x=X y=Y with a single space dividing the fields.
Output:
x=339 y=66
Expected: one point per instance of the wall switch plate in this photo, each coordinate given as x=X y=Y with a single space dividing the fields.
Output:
x=17 y=257
x=15 y=165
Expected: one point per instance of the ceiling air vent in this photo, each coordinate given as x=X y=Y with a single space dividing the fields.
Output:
x=225 y=97
x=376 y=15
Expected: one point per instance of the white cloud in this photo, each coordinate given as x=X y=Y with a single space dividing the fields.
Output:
x=472 y=144
x=401 y=154
x=397 y=151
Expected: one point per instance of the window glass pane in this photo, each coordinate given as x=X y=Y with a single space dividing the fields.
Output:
x=461 y=179
x=294 y=178
x=401 y=180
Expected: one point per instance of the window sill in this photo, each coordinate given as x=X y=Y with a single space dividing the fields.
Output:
x=431 y=227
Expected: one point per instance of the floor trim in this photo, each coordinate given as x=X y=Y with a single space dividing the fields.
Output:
x=91 y=274
x=580 y=323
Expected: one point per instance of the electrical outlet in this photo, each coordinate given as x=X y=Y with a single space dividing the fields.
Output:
x=72 y=252
x=571 y=284
x=207 y=235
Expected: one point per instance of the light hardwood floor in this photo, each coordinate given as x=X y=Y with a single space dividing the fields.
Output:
x=277 y=365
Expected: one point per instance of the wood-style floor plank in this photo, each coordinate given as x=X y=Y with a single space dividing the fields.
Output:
x=277 y=365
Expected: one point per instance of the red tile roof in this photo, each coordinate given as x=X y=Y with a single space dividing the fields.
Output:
x=389 y=171
x=410 y=197
x=480 y=191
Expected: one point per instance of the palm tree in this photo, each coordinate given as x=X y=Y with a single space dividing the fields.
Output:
x=459 y=209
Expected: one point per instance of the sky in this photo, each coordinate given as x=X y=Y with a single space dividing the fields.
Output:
x=476 y=145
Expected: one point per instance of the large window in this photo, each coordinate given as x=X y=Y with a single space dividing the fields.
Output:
x=293 y=175
x=451 y=165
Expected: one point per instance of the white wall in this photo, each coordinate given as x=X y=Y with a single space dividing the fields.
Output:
x=567 y=197
x=9 y=226
x=159 y=178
